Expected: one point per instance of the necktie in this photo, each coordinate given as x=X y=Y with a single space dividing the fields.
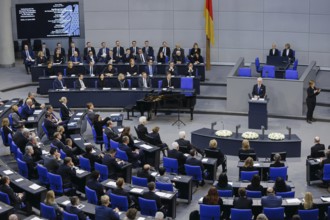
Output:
x=103 y=50
x=61 y=84
x=147 y=50
x=75 y=59
x=164 y=51
x=117 y=51
x=72 y=50
x=150 y=71
x=144 y=83
x=143 y=60
x=258 y=89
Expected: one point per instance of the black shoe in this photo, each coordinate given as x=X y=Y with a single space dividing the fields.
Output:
x=309 y=122
x=313 y=120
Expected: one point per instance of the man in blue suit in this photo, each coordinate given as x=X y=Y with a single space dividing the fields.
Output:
x=103 y=52
x=59 y=82
x=259 y=89
x=271 y=200
x=27 y=109
x=28 y=58
x=75 y=58
x=151 y=69
x=104 y=212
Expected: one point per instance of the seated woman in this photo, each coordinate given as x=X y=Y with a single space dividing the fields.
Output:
x=120 y=191
x=132 y=69
x=281 y=186
x=215 y=152
x=16 y=117
x=197 y=59
x=41 y=59
x=248 y=165
x=127 y=132
x=255 y=185
x=49 y=71
x=156 y=140
x=50 y=201
x=191 y=71
x=223 y=182
x=161 y=57
x=110 y=70
x=6 y=129
x=245 y=150
x=212 y=197
x=308 y=203
x=70 y=70
x=193 y=51
x=98 y=124
x=58 y=57
x=122 y=83
x=101 y=81
x=277 y=161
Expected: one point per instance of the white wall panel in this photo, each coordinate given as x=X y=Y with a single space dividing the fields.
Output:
x=241 y=21
x=285 y=6
x=286 y=22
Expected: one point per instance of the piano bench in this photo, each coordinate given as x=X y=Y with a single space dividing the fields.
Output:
x=128 y=109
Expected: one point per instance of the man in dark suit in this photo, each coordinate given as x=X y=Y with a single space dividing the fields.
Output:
x=141 y=57
x=118 y=51
x=50 y=126
x=274 y=51
x=151 y=69
x=316 y=148
x=142 y=129
x=193 y=161
x=59 y=46
x=67 y=172
x=45 y=50
x=133 y=156
x=176 y=154
x=104 y=212
x=110 y=132
x=288 y=52
x=87 y=49
x=80 y=82
x=134 y=49
x=144 y=81
x=242 y=202
x=167 y=83
x=103 y=52
x=176 y=49
x=28 y=159
x=93 y=183
x=57 y=141
x=27 y=109
x=91 y=58
x=148 y=50
x=145 y=173
x=73 y=208
x=53 y=161
x=21 y=137
x=165 y=49
x=172 y=69
x=178 y=58
x=92 y=157
x=186 y=143
x=114 y=165
x=75 y=58
x=72 y=49
x=59 y=82
x=71 y=151
x=259 y=89
x=151 y=195
x=271 y=201
x=28 y=58
x=127 y=56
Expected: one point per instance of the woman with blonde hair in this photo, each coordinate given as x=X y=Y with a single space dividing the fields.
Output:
x=41 y=59
x=16 y=118
x=214 y=152
x=246 y=149
x=308 y=202
x=50 y=201
x=248 y=165
x=6 y=129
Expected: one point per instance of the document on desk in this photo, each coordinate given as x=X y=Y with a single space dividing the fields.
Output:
x=154 y=173
x=80 y=171
x=120 y=129
x=87 y=143
x=76 y=119
x=80 y=114
x=136 y=141
x=80 y=206
x=256 y=164
x=8 y=172
x=204 y=160
x=34 y=186
x=145 y=146
x=7 y=106
x=31 y=118
x=325 y=199
x=293 y=201
x=106 y=88
x=161 y=194
x=19 y=180
x=66 y=202
x=36 y=218
x=112 y=183
x=230 y=183
x=37 y=112
x=141 y=218
x=77 y=139
x=137 y=190
x=186 y=155
x=44 y=152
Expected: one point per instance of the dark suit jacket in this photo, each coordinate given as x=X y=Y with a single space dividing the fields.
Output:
x=47 y=53
x=271 y=201
x=275 y=53
x=122 y=192
x=152 y=196
x=24 y=56
x=166 y=84
x=132 y=157
x=173 y=72
x=75 y=210
x=59 y=144
x=315 y=150
x=250 y=187
x=242 y=203
x=216 y=153
x=142 y=129
x=65 y=111
x=184 y=142
x=290 y=54
x=50 y=126
x=113 y=167
x=179 y=156
x=176 y=49
x=122 y=84
x=41 y=60
x=86 y=52
x=150 y=52
x=132 y=69
x=89 y=59
x=6 y=130
x=176 y=59
x=100 y=53
x=51 y=163
x=14 y=199
x=140 y=82
x=121 y=53
x=92 y=159
x=71 y=152
x=31 y=165
x=67 y=173
x=126 y=58
x=98 y=126
x=91 y=115
x=311 y=96
x=153 y=69
x=98 y=187
x=139 y=58
x=62 y=51
x=57 y=84
x=70 y=54
x=50 y=71
x=58 y=59
x=111 y=134
x=136 y=50
x=20 y=140
x=75 y=59
x=156 y=138
x=168 y=51
x=194 y=162
x=102 y=212
x=261 y=92
x=26 y=111
x=190 y=73
x=145 y=174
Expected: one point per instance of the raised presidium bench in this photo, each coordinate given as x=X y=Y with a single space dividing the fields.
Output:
x=39 y=71
x=5 y=210
x=263 y=147
x=46 y=83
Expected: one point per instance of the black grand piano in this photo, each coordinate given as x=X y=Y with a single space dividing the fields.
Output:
x=173 y=100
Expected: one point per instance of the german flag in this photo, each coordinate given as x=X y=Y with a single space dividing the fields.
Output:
x=209 y=25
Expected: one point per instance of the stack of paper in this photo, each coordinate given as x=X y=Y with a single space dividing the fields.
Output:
x=111 y=183
x=8 y=172
x=145 y=146
x=137 y=190
x=80 y=171
x=204 y=160
x=66 y=202
x=325 y=199
x=136 y=141
x=34 y=186
x=19 y=180
x=77 y=139
x=80 y=114
x=293 y=201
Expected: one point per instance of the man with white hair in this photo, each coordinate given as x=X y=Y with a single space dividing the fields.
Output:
x=142 y=129
x=28 y=159
x=259 y=89
x=27 y=109
x=176 y=154
x=159 y=216
x=185 y=143
x=318 y=149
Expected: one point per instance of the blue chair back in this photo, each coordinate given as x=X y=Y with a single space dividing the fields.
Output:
x=247 y=175
x=45 y=129
x=120 y=202
x=257 y=64
x=14 y=149
x=291 y=74
x=246 y=72
x=326 y=172
x=253 y=194
x=63 y=154
x=19 y=153
x=209 y=212
x=114 y=144
x=160 y=84
x=55 y=183
x=47 y=212
x=295 y=64
x=275 y=172
x=84 y=163
x=20 y=109
x=312 y=214
x=96 y=141
x=43 y=174
x=4 y=139
x=194 y=171
x=225 y=193
x=91 y=195
x=268 y=71
x=148 y=207
x=167 y=59
x=103 y=169
x=164 y=186
x=289 y=194
x=171 y=165
x=274 y=213
x=239 y=214
x=22 y=168
x=69 y=216
x=4 y=198
x=187 y=83
x=121 y=155
x=106 y=141
x=10 y=141
x=138 y=181
x=129 y=81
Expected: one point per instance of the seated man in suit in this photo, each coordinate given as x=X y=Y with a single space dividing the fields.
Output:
x=110 y=70
x=110 y=132
x=151 y=69
x=274 y=51
x=186 y=143
x=50 y=125
x=118 y=51
x=91 y=58
x=288 y=52
x=135 y=156
x=145 y=173
x=134 y=49
x=141 y=57
x=73 y=208
x=165 y=49
x=53 y=161
x=61 y=50
x=122 y=82
x=21 y=137
x=148 y=50
x=144 y=81
x=114 y=164
x=127 y=56
x=45 y=50
x=87 y=49
x=120 y=191
x=28 y=159
x=178 y=58
x=172 y=69
x=28 y=58
x=176 y=49
x=315 y=150
x=217 y=153
x=75 y=59
x=191 y=71
x=59 y=82
x=72 y=50
x=80 y=82
x=277 y=161
x=259 y=89
x=242 y=201
x=57 y=141
x=271 y=200
x=193 y=161
x=68 y=173
x=27 y=109
x=36 y=148
x=16 y=199
x=102 y=54
x=151 y=195
x=142 y=129
x=176 y=154
x=94 y=184
x=92 y=157
x=71 y=151
x=104 y=211
x=167 y=83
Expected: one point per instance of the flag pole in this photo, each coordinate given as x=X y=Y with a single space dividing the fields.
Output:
x=208 y=54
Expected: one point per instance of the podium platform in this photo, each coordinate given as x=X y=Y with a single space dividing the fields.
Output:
x=258 y=114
